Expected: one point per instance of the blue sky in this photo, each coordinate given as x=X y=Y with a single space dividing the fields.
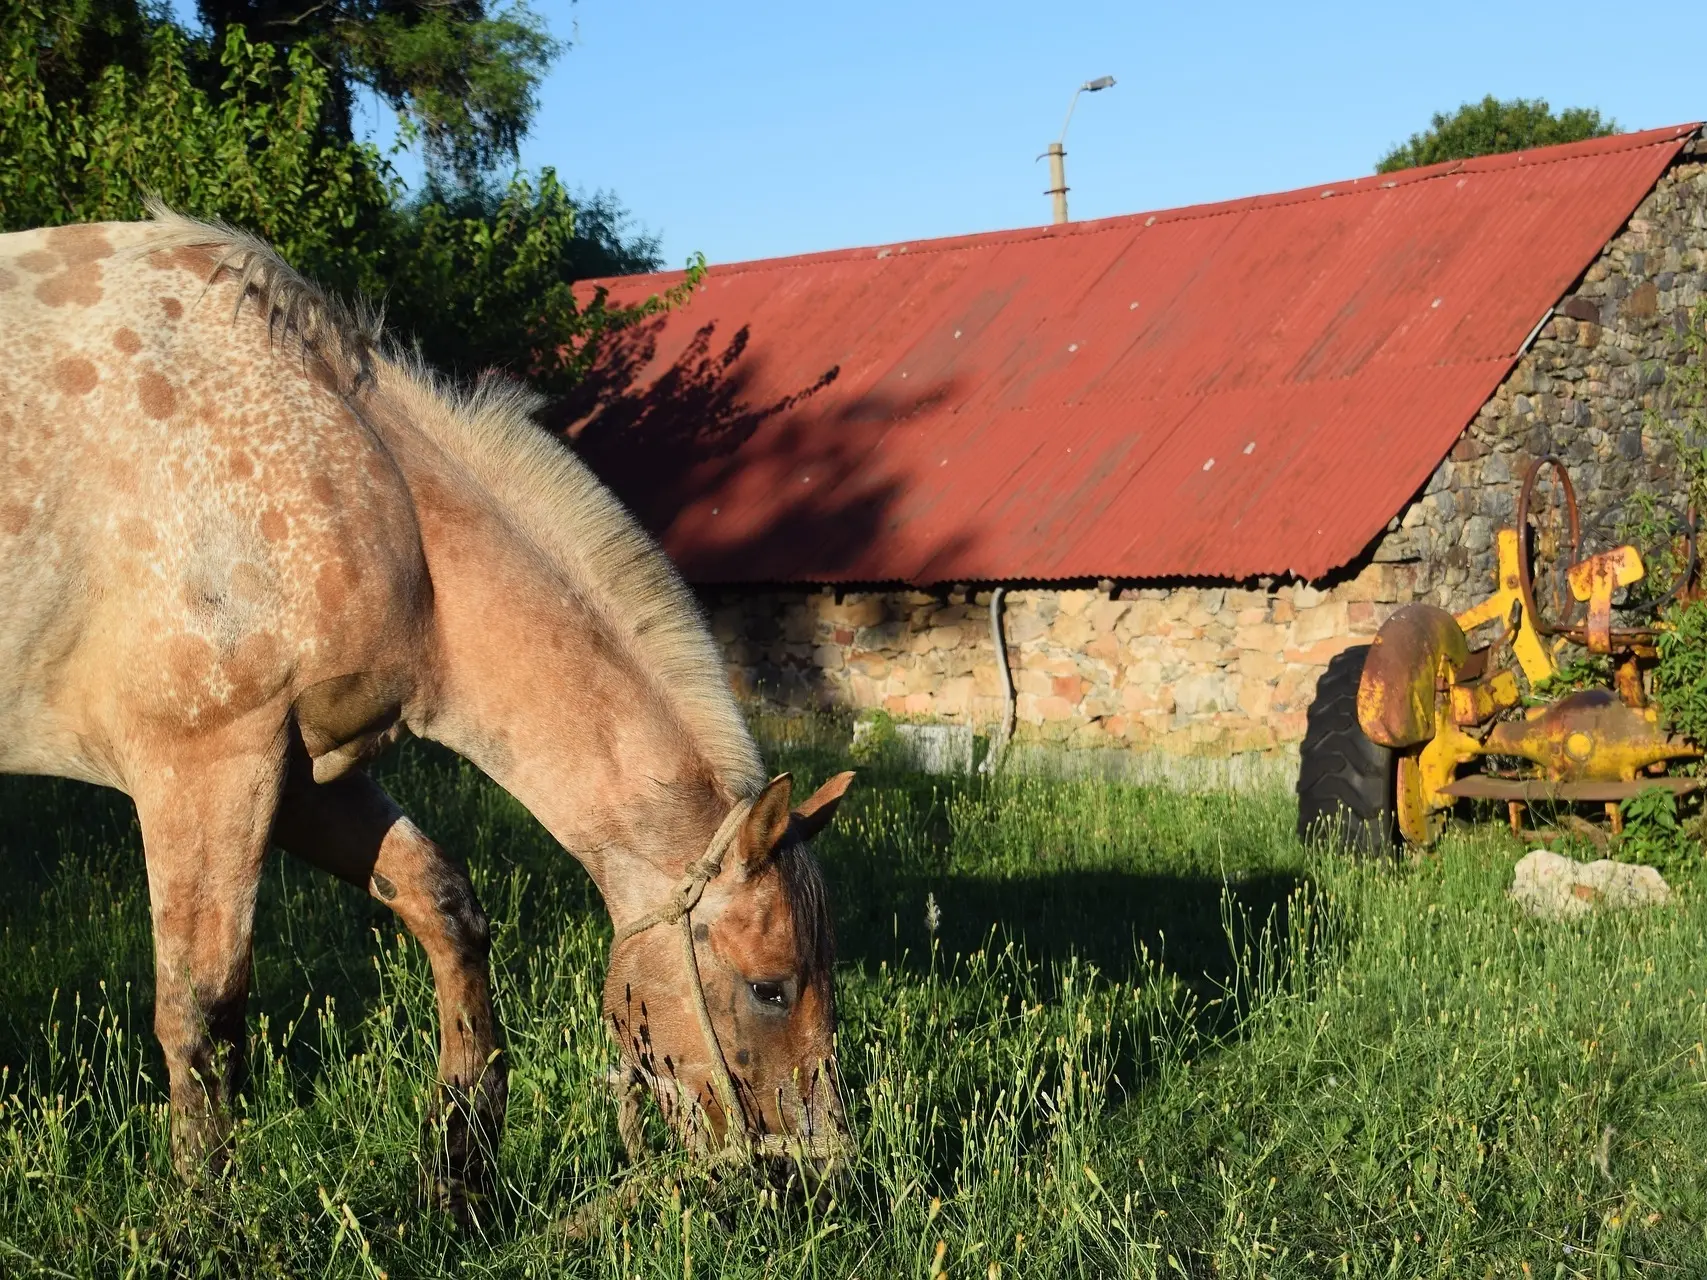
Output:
x=756 y=129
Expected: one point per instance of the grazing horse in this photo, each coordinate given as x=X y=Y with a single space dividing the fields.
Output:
x=245 y=544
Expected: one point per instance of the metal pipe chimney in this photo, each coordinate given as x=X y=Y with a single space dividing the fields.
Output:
x=1058 y=180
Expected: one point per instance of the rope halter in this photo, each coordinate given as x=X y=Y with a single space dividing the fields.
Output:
x=678 y=908
x=738 y=1144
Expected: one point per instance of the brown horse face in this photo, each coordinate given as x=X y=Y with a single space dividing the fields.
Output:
x=764 y=953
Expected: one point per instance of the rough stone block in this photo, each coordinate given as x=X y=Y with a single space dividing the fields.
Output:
x=1034 y=681
x=1199 y=694
x=1071 y=631
x=945 y=637
x=1548 y=884
x=1105 y=649
x=1260 y=664
x=1642 y=302
x=1144 y=617
x=1319 y=622
x=1147 y=697
x=1104 y=614
x=1070 y=688
x=1022 y=627
x=887 y=635
x=1055 y=708
x=854 y=611
x=955 y=696
x=1074 y=603
x=1145 y=672
x=1264 y=637
x=1202 y=653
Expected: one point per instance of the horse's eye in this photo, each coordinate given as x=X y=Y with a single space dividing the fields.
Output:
x=770 y=993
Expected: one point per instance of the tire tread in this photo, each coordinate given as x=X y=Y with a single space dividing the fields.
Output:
x=1345 y=781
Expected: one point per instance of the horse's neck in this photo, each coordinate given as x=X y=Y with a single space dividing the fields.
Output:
x=530 y=687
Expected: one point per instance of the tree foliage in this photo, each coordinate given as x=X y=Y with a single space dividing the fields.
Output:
x=100 y=106
x=462 y=75
x=1491 y=127
x=483 y=277
x=86 y=133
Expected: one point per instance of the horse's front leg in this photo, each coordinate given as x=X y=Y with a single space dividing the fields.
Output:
x=351 y=828
x=205 y=806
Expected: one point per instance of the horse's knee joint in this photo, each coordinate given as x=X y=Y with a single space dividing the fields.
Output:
x=461 y=911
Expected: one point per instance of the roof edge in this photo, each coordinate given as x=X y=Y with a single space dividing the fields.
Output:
x=1670 y=134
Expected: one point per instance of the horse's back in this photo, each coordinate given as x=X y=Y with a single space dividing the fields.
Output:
x=194 y=526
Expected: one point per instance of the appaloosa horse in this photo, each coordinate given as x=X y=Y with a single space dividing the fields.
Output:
x=244 y=545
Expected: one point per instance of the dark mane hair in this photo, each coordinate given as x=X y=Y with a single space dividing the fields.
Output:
x=809 y=904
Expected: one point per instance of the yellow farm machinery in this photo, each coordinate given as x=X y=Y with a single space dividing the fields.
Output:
x=1441 y=708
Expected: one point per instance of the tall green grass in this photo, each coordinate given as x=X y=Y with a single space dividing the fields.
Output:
x=1143 y=1034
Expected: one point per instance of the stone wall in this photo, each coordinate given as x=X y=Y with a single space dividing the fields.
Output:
x=1589 y=390
x=1184 y=673
x=1187 y=671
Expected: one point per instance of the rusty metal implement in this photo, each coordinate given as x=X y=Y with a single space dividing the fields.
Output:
x=1441 y=703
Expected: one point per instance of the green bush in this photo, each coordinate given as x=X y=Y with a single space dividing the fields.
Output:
x=875 y=741
x=1680 y=678
x=1653 y=834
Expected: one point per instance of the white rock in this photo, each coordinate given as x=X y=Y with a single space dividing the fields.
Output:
x=1547 y=884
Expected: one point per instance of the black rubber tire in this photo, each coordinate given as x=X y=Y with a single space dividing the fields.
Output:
x=1346 y=783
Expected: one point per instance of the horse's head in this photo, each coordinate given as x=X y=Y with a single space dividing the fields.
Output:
x=762 y=955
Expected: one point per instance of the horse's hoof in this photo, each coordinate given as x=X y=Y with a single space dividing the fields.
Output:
x=201 y=1146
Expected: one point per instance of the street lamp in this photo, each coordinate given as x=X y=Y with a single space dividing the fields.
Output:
x=1057 y=152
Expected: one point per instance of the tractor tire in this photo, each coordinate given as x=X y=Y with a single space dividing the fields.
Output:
x=1346 y=783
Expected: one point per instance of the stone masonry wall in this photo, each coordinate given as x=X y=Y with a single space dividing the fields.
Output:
x=1188 y=670
x=1195 y=671
x=1587 y=391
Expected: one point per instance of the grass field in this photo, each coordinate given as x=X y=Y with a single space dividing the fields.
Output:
x=1151 y=1035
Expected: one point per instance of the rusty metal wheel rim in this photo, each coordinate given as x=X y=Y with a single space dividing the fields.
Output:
x=1525 y=574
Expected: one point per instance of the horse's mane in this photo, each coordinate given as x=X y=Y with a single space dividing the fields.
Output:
x=548 y=493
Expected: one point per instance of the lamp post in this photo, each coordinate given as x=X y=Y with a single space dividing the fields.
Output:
x=1057 y=152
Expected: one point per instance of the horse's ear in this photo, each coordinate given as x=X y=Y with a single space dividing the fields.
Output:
x=815 y=813
x=765 y=826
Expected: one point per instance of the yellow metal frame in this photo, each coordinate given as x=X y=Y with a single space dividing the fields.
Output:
x=1531 y=651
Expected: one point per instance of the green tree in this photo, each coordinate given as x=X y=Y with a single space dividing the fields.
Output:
x=101 y=106
x=1491 y=127
x=462 y=75
x=482 y=277
x=94 y=118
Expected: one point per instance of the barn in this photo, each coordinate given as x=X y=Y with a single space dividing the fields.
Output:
x=1190 y=455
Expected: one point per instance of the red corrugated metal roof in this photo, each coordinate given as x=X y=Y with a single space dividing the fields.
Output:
x=1227 y=390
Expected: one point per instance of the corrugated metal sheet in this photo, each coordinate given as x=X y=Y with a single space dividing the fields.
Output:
x=1227 y=390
